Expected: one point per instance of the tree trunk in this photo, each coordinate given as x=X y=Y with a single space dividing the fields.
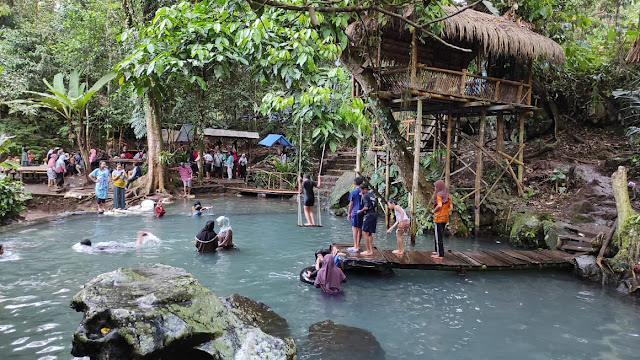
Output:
x=156 y=171
x=627 y=237
x=400 y=156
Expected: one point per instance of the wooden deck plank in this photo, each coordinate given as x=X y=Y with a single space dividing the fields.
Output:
x=559 y=256
x=532 y=254
x=461 y=260
x=548 y=258
x=466 y=257
x=506 y=258
x=521 y=256
x=487 y=260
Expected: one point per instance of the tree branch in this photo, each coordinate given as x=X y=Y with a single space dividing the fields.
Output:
x=358 y=9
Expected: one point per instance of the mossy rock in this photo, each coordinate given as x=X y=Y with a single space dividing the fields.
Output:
x=162 y=312
x=339 y=196
x=581 y=219
x=529 y=229
x=457 y=225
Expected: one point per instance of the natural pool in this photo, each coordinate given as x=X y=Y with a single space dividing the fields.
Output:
x=413 y=314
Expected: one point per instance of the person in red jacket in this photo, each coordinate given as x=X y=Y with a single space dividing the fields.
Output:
x=159 y=209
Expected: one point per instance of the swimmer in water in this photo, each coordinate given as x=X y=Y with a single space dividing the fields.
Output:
x=197 y=208
x=142 y=238
x=1 y=249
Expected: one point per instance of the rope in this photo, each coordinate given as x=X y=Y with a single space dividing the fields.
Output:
x=320 y=172
x=299 y=175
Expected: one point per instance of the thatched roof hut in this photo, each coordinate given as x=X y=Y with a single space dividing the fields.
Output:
x=480 y=32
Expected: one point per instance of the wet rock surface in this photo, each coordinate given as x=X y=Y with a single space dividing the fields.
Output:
x=328 y=340
x=162 y=312
x=530 y=229
x=587 y=268
x=257 y=314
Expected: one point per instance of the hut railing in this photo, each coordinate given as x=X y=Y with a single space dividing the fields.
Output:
x=274 y=179
x=457 y=84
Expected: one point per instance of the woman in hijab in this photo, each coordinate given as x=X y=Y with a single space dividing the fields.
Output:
x=243 y=166
x=225 y=237
x=441 y=208
x=92 y=159
x=329 y=276
x=207 y=239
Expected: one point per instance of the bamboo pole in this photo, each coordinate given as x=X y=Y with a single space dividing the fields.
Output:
x=447 y=165
x=497 y=180
x=521 y=144
x=500 y=137
x=417 y=140
x=483 y=120
x=509 y=157
x=414 y=59
x=529 y=80
x=359 y=152
x=387 y=180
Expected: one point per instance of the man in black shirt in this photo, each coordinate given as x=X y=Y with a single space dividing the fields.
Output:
x=369 y=206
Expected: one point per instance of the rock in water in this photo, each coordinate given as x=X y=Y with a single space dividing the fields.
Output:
x=257 y=314
x=327 y=340
x=587 y=268
x=339 y=196
x=162 y=312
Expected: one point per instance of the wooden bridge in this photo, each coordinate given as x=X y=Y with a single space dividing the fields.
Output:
x=460 y=261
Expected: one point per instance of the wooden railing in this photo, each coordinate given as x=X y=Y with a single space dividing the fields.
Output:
x=456 y=83
x=275 y=180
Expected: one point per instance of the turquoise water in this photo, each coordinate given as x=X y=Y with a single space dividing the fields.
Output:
x=413 y=314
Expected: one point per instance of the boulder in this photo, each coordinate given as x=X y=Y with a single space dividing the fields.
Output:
x=327 y=340
x=257 y=314
x=529 y=230
x=587 y=268
x=339 y=196
x=160 y=312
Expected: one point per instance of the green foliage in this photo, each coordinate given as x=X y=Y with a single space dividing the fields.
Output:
x=12 y=198
x=558 y=178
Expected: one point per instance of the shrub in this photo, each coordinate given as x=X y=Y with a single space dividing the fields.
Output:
x=12 y=198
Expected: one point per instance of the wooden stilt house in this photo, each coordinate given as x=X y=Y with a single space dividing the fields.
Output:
x=446 y=86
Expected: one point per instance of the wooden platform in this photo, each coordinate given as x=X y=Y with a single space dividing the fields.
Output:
x=506 y=259
x=36 y=170
x=262 y=191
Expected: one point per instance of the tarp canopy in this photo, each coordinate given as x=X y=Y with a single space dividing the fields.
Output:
x=186 y=133
x=272 y=139
x=231 y=133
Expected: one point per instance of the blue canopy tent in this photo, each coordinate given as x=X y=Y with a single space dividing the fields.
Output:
x=272 y=139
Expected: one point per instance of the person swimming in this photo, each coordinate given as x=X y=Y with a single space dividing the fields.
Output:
x=143 y=237
x=1 y=249
x=197 y=208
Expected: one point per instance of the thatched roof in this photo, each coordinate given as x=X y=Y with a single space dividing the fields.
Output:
x=470 y=29
x=500 y=36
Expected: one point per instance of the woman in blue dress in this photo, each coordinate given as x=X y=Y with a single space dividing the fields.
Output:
x=101 y=177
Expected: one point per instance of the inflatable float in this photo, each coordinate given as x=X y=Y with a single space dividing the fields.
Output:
x=303 y=275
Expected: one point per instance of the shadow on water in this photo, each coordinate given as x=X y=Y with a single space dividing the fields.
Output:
x=412 y=314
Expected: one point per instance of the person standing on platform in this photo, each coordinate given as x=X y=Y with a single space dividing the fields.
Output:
x=230 y=165
x=24 y=161
x=118 y=175
x=442 y=207
x=186 y=175
x=101 y=177
x=208 y=161
x=402 y=222
x=306 y=185
x=370 y=210
x=354 y=217
x=243 y=166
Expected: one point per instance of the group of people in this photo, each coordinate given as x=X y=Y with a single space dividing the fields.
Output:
x=362 y=214
x=59 y=163
x=120 y=178
x=208 y=241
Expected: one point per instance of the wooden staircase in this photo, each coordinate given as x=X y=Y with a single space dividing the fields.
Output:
x=335 y=165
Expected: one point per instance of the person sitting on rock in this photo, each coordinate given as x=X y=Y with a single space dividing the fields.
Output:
x=225 y=237
x=207 y=239
x=330 y=277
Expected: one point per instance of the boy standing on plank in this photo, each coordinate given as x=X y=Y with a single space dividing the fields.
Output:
x=369 y=209
x=354 y=217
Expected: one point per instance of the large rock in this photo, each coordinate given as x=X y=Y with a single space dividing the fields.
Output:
x=587 y=268
x=161 y=312
x=257 y=314
x=327 y=340
x=339 y=197
x=529 y=230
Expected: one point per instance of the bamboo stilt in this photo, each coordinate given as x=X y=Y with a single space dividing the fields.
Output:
x=500 y=137
x=447 y=165
x=417 y=144
x=483 y=120
x=521 y=144
x=387 y=180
